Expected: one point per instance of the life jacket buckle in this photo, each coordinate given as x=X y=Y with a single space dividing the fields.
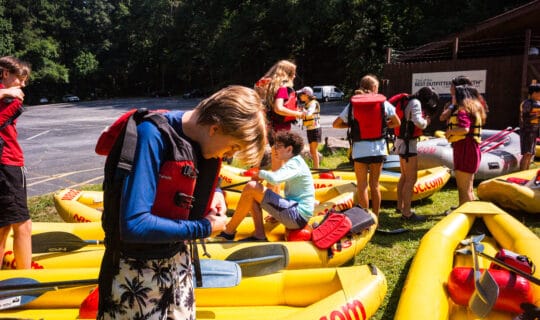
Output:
x=189 y=172
x=183 y=200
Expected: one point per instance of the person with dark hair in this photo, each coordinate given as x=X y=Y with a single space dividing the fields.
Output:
x=294 y=209
x=312 y=123
x=413 y=122
x=450 y=107
x=529 y=125
x=14 y=212
x=464 y=132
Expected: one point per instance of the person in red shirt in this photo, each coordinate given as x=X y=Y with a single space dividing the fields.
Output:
x=14 y=212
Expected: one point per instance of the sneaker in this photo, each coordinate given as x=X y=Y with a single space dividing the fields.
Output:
x=414 y=218
x=222 y=236
x=253 y=239
x=399 y=211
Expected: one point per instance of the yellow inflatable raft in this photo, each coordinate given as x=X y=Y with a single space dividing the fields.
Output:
x=519 y=191
x=429 y=181
x=326 y=293
x=86 y=206
x=302 y=254
x=425 y=294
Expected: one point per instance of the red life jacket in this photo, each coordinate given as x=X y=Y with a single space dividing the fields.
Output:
x=290 y=103
x=178 y=173
x=407 y=129
x=368 y=117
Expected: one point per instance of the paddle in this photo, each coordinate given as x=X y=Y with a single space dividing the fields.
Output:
x=393 y=231
x=16 y=292
x=261 y=259
x=58 y=241
x=486 y=289
x=500 y=263
x=253 y=260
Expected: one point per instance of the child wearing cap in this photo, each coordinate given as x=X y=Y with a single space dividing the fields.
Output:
x=312 y=122
x=529 y=125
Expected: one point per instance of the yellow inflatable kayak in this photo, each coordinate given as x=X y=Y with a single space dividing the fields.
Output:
x=519 y=191
x=429 y=181
x=302 y=254
x=426 y=293
x=86 y=206
x=326 y=293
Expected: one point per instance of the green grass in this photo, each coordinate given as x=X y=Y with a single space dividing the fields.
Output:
x=392 y=254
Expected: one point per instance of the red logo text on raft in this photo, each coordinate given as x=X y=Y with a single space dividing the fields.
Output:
x=350 y=311
x=428 y=185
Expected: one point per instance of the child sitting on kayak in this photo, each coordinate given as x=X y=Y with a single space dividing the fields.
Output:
x=294 y=209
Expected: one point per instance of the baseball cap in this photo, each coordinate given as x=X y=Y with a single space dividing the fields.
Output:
x=306 y=90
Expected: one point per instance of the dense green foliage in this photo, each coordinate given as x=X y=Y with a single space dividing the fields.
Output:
x=103 y=48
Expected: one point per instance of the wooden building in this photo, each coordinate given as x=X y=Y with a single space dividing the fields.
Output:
x=500 y=54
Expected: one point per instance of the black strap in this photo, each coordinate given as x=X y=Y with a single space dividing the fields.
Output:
x=10 y=120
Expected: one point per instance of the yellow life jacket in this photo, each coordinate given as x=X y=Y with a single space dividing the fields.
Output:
x=312 y=119
x=474 y=131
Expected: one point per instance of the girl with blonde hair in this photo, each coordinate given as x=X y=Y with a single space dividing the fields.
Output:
x=367 y=134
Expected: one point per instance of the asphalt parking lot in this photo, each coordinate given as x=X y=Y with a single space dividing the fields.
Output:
x=58 y=140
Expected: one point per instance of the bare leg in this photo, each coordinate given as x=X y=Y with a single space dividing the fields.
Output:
x=408 y=176
x=375 y=170
x=464 y=183
x=4 y=231
x=22 y=244
x=361 y=172
x=314 y=154
x=525 y=161
x=251 y=197
x=401 y=182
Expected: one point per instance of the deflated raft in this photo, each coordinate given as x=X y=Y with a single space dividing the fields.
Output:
x=500 y=153
x=326 y=293
x=426 y=294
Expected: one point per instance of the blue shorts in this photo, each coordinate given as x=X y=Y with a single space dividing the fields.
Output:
x=283 y=210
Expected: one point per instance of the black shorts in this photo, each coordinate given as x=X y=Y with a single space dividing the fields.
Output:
x=372 y=159
x=13 y=204
x=314 y=135
x=527 y=140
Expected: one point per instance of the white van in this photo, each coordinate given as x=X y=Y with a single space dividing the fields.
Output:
x=327 y=93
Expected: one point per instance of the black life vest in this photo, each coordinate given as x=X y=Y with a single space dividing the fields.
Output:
x=407 y=130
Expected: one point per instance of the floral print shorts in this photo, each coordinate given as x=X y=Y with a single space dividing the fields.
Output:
x=153 y=289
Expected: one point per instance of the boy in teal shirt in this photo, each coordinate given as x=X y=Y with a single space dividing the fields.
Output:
x=295 y=208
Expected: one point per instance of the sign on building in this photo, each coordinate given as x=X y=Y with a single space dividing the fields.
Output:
x=441 y=81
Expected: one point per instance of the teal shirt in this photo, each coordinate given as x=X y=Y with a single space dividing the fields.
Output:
x=298 y=183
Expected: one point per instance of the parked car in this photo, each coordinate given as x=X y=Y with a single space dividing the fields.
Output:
x=327 y=93
x=70 y=98
x=43 y=100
